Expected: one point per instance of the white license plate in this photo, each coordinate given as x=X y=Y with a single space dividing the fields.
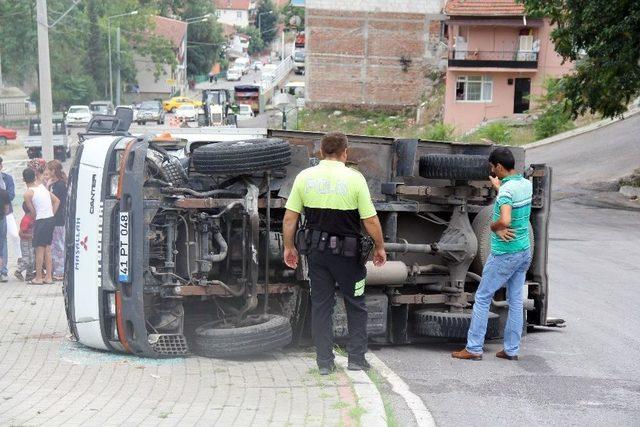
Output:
x=123 y=264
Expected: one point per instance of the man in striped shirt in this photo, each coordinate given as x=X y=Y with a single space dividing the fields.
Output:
x=509 y=260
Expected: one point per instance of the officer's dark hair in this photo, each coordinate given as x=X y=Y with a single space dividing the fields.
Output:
x=28 y=175
x=333 y=144
x=502 y=156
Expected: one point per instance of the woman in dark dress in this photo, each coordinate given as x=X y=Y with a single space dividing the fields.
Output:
x=56 y=181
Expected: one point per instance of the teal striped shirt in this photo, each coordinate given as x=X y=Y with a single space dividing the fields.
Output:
x=516 y=191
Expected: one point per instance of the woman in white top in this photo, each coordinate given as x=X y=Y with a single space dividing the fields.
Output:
x=43 y=205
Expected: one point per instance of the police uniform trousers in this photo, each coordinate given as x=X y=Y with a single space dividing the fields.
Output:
x=325 y=270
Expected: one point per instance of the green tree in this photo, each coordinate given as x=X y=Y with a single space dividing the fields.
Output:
x=293 y=17
x=19 y=47
x=603 y=38
x=256 y=44
x=268 y=20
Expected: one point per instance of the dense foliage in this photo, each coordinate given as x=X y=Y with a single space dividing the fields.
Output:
x=603 y=38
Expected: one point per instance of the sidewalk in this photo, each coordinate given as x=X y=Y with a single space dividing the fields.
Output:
x=47 y=379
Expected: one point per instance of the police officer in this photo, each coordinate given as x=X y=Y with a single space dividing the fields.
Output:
x=335 y=200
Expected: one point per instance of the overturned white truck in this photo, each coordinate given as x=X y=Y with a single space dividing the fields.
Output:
x=177 y=241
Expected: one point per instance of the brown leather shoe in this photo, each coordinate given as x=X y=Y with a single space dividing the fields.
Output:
x=502 y=355
x=465 y=355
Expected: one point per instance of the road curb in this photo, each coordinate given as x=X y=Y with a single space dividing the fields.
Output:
x=579 y=131
x=420 y=412
x=369 y=397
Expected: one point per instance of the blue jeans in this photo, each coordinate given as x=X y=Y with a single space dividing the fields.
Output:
x=500 y=270
x=3 y=246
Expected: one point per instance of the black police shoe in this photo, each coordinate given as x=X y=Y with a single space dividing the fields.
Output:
x=326 y=370
x=360 y=365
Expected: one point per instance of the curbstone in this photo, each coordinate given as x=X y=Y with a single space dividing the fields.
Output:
x=369 y=397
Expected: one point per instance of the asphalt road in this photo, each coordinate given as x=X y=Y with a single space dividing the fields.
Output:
x=587 y=373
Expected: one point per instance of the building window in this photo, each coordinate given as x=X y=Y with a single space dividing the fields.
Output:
x=239 y=14
x=474 y=88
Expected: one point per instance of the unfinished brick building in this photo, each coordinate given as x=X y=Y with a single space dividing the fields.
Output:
x=376 y=54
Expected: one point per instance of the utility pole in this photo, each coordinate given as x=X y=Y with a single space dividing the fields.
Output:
x=44 y=68
x=118 y=84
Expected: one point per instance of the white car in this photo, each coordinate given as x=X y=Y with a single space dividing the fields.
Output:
x=187 y=112
x=245 y=111
x=257 y=65
x=78 y=115
x=234 y=74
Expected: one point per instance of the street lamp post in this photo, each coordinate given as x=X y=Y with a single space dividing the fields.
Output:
x=197 y=19
x=135 y=12
x=259 y=20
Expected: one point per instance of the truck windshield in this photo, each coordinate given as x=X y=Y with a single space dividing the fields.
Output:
x=78 y=110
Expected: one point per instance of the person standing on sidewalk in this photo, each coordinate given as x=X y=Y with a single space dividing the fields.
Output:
x=335 y=200
x=9 y=228
x=57 y=182
x=509 y=260
x=44 y=204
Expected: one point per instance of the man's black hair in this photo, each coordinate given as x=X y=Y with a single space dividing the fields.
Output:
x=504 y=157
x=28 y=175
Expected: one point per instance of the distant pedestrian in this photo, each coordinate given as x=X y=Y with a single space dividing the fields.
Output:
x=509 y=260
x=8 y=231
x=215 y=79
x=57 y=183
x=26 y=261
x=5 y=205
x=44 y=205
x=211 y=75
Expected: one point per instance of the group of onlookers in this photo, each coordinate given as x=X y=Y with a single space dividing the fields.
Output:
x=41 y=230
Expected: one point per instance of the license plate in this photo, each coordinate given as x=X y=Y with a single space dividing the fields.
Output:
x=123 y=264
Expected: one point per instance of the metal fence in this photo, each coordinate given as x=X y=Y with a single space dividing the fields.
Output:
x=482 y=55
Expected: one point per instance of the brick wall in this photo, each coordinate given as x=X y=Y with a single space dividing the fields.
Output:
x=371 y=59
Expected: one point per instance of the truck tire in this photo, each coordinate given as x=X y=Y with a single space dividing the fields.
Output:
x=439 y=324
x=241 y=157
x=481 y=227
x=3 y=140
x=262 y=334
x=463 y=167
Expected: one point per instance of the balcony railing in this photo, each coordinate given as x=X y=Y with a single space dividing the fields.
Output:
x=490 y=59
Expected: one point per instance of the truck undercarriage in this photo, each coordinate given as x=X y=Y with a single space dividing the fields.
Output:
x=194 y=249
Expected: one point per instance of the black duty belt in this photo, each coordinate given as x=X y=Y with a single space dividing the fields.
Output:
x=308 y=240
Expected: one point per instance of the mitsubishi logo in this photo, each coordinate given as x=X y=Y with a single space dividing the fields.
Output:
x=83 y=242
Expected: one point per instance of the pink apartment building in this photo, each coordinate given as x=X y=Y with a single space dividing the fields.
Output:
x=497 y=58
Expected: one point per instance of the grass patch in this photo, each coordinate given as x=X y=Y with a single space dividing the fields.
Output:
x=340 y=405
x=503 y=133
x=388 y=407
x=359 y=122
x=356 y=412
x=163 y=415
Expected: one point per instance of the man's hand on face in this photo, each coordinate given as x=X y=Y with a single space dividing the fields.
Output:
x=495 y=181
x=291 y=257
x=506 y=234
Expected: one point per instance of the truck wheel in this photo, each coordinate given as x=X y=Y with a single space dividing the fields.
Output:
x=241 y=157
x=439 y=324
x=481 y=227
x=3 y=140
x=463 y=167
x=260 y=334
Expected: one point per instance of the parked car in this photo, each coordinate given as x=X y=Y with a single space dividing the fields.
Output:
x=234 y=74
x=174 y=103
x=243 y=64
x=150 y=111
x=245 y=111
x=189 y=241
x=7 y=134
x=187 y=112
x=102 y=107
x=257 y=65
x=78 y=115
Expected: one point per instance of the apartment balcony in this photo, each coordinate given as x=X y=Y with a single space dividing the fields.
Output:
x=522 y=60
